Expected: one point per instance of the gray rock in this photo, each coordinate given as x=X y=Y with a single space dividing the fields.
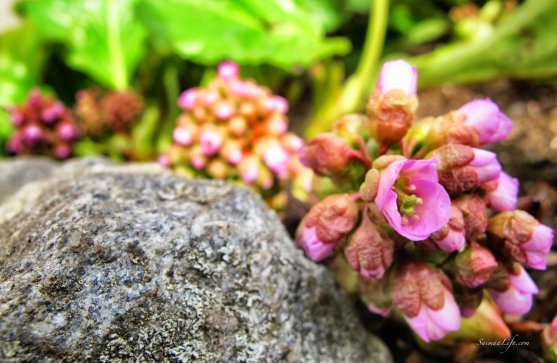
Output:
x=16 y=173
x=132 y=264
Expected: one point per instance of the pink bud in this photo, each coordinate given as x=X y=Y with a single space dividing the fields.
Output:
x=474 y=265
x=424 y=298
x=502 y=193
x=224 y=111
x=52 y=113
x=198 y=161
x=249 y=169
x=514 y=290
x=32 y=133
x=210 y=97
x=17 y=117
x=276 y=159
x=398 y=74
x=327 y=225
x=376 y=295
x=474 y=213
x=277 y=125
x=67 y=131
x=327 y=154
x=239 y=88
x=228 y=70
x=182 y=136
x=62 y=151
x=164 y=160
x=520 y=236
x=188 y=98
x=292 y=142
x=451 y=237
x=14 y=145
x=211 y=141
x=484 y=117
x=369 y=251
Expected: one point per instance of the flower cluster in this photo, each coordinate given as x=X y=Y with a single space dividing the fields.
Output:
x=236 y=130
x=43 y=126
x=422 y=215
x=113 y=111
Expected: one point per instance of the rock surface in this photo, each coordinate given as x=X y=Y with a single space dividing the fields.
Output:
x=108 y=263
x=16 y=173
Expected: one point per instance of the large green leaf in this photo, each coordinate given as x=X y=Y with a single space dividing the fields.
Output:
x=103 y=37
x=283 y=33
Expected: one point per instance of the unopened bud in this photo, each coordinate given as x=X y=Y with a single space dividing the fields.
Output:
x=474 y=265
x=327 y=154
x=451 y=237
x=474 y=213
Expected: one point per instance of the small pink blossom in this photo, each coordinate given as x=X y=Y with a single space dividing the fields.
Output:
x=452 y=236
x=249 y=169
x=224 y=111
x=398 y=74
x=484 y=116
x=276 y=159
x=50 y=114
x=67 y=131
x=32 y=133
x=188 y=99
x=412 y=200
x=502 y=193
x=182 y=136
x=211 y=142
x=228 y=70
x=62 y=151
x=516 y=297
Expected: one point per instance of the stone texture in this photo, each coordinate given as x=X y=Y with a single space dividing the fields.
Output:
x=15 y=174
x=107 y=263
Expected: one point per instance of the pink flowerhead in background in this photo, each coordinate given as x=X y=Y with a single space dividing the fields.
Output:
x=326 y=226
x=514 y=293
x=398 y=74
x=182 y=136
x=502 y=193
x=55 y=111
x=228 y=70
x=224 y=111
x=32 y=133
x=211 y=141
x=484 y=116
x=276 y=159
x=67 y=131
x=249 y=169
x=62 y=151
x=188 y=98
x=424 y=297
x=411 y=198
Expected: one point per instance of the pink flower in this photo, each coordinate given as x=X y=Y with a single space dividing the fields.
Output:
x=188 y=98
x=485 y=118
x=228 y=70
x=55 y=111
x=249 y=169
x=211 y=141
x=502 y=193
x=327 y=225
x=423 y=296
x=398 y=74
x=451 y=237
x=182 y=136
x=224 y=111
x=276 y=159
x=164 y=160
x=513 y=292
x=369 y=251
x=328 y=155
x=67 y=131
x=462 y=168
x=62 y=151
x=520 y=236
x=411 y=198
x=32 y=133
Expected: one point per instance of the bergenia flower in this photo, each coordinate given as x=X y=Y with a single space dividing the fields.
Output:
x=424 y=297
x=398 y=75
x=328 y=155
x=502 y=193
x=513 y=290
x=411 y=199
x=327 y=225
x=520 y=236
x=451 y=237
x=369 y=251
x=474 y=265
x=462 y=168
x=490 y=124
x=474 y=214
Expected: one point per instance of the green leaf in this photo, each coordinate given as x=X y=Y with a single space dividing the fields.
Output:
x=103 y=37
x=281 y=33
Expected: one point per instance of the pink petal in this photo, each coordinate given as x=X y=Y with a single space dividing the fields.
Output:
x=523 y=282
x=187 y=99
x=314 y=248
x=398 y=74
x=505 y=196
x=228 y=70
x=276 y=159
x=182 y=136
x=454 y=241
x=486 y=165
x=386 y=182
x=421 y=169
x=482 y=115
x=541 y=240
x=504 y=129
x=512 y=301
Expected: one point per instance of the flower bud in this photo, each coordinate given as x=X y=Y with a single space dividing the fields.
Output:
x=370 y=186
x=474 y=213
x=327 y=225
x=462 y=168
x=398 y=75
x=53 y=112
x=210 y=141
x=62 y=151
x=502 y=193
x=549 y=341
x=376 y=295
x=182 y=136
x=277 y=159
x=249 y=169
x=451 y=237
x=474 y=265
x=228 y=70
x=512 y=290
x=520 y=236
x=488 y=122
x=32 y=134
x=232 y=152
x=224 y=111
x=423 y=296
x=67 y=131
x=327 y=154
x=369 y=250
x=188 y=99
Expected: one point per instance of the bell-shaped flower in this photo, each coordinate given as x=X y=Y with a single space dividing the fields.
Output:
x=424 y=297
x=490 y=124
x=326 y=226
x=451 y=237
x=502 y=193
x=512 y=290
x=369 y=251
x=520 y=236
x=474 y=265
x=410 y=197
x=462 y=168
